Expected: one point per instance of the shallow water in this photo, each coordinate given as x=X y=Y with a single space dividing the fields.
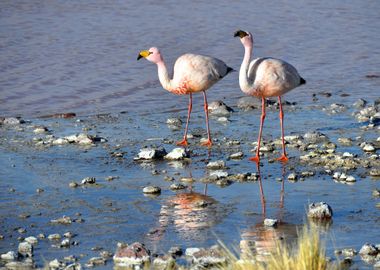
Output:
x=67 y=56
x=70 y=56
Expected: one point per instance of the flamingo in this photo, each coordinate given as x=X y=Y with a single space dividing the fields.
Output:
x=263 y=78
x=192 y=73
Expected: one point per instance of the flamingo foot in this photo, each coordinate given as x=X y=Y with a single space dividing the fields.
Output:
x=182 y=143
x=283 y=158
x=207 y=143
x=255 y=159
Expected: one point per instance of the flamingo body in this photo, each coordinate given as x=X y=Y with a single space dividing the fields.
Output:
x=263 y=78
x=192 y=73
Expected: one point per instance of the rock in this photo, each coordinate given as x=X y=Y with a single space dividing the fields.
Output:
x=360 y=103
x=292 y=177
x=345 y=141
x=218 y=108
x=215 y=165
x=177 y=186
x=62 y=220
x=218 y=174
x=56 y=264
x=368 y=249
x=209 y=257
x=54 y=236
x=315 y=137
x=135 y=254
x=95 y=261
x=377 y=265
x=152 y=190
x=374 y=172
x=9 y=256
x=163 y=262
x=26 y=264
x=73 y=184
x=174 y=122
x=177 y=154
x=68 y=235
x=65 y=243
x=151 y=153
x=248 y=103
x=106 y=254
x=376 y=193
x=88 y=180
x=349 y=252
x=346 y=263
x=320 y=210
x=223 y=120
x=25 y=249
x=336 y=108
x=238 y=155
x=31 y=240
x=60 y=141
x=11 y=121
x=190 y=251
x=40 y=130
x=175 y=251
x=350 y=179
x=367 y=147
x=270 y=222
x=73 y=266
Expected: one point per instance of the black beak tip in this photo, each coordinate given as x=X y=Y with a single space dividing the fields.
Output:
x=240 y=33
x=139 y=57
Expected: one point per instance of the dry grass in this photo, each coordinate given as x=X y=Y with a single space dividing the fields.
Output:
x=307 y=254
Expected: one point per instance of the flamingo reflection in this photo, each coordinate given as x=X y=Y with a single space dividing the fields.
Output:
x=259 y=241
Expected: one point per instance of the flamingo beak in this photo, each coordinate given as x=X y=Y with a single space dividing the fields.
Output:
x=240 y=34
x=144 y=54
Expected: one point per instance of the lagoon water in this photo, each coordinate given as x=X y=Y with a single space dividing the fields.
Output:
x=58 y=56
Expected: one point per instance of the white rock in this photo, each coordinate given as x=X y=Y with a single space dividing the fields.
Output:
x=368 y=249
x=190 y=251
x=152 y=190
x=337 y=175
x=177 y=154
x=54 y=236
x=55 y=264
x=151 y=153
x=25 y=249
x=347 y=154
x=343 y=177
x=368 y=148
x=350 y=178
x=292 y=177
x=215 y=165
x=9 y=256
x=270 y=222
x=219 y=174
x=60 y=141
x=31 y=240
x=237 y=155
x=320 y=210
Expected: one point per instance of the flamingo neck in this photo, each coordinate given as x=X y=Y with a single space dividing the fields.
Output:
x=246 y=84
x=163 y=76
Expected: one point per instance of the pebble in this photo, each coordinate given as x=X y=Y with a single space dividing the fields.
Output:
x=270 y=222
x=25 y=249
x=218 y=174
x=215 y=165
x=374 y=172
x=177 y=186
x=175 y=251
x=65 y=243
x=9 y=256
x=152 y=190
x=56 y=264
x=292 y=177
x=54 y=236
x=320 y=210
x=174 y=122
x=367 y=147
x=151 y=153
x=40 y=130
x=368 y=249
x=349 y=252
x=376 y=193
x=177 y=154
x=218 y=108
x=238 y=155
x=88 y=180
x=95 y=261
x=350 y=179
x=31 y=240
x=134 y=254
x=62 y=220
x=345 y=141
x=73 y=184
x=164 y=262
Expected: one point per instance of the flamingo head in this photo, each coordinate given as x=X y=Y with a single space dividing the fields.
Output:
x=245 y=38
x=152 y=55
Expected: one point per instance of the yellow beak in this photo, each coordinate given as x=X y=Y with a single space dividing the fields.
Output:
x=144 y=54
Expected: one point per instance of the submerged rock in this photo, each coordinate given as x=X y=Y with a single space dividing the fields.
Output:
x=320 y=210
x=135 y=254
x=248 y=103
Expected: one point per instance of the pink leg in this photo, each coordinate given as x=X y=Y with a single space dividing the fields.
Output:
x=283 y=157
x=208 y=143
x=257 y=157
x=184 y=141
